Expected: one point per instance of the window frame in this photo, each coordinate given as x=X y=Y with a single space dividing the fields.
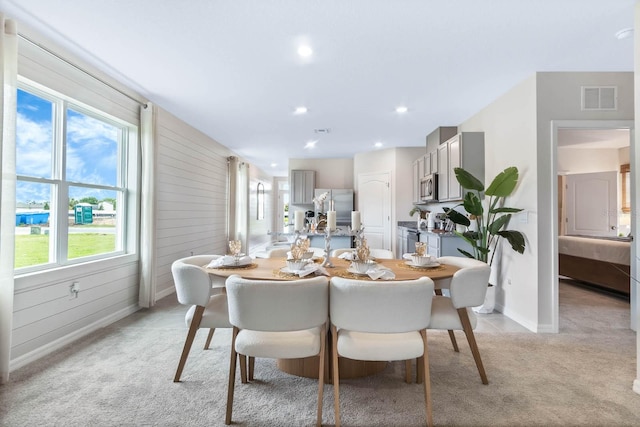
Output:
x=127 y=185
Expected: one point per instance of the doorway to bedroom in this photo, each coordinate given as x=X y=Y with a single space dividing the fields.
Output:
x=593 y=163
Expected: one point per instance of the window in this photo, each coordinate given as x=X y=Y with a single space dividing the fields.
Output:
x=72 y=181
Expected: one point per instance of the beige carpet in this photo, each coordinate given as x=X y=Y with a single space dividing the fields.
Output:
x=122 y=376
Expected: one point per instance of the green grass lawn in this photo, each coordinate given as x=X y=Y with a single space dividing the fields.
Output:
x=34 y=249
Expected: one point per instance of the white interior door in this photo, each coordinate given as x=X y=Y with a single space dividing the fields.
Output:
x=374 y=204
x=591 y=204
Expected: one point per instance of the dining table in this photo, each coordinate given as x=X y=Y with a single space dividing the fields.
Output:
x=276 y=269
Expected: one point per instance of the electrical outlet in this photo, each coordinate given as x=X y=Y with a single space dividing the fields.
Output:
x=74 y=289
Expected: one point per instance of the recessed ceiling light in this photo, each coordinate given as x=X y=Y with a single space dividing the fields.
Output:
x=401 y=109
x=378 y=144
x=273 y=165
x=305 y=51
x=625 y=33
x=310 y=145
x=300 y=110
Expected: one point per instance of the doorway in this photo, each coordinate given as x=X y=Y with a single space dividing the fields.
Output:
x=581 y=136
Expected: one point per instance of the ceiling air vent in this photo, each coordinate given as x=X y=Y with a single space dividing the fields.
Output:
x=599 y=98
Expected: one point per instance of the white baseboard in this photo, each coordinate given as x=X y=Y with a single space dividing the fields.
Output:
x=636 y=385
x=49 y=348
x=165 y=293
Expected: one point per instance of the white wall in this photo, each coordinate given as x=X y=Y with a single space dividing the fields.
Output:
x=509 y=126
x=330 y=173
x=579 y=160
x=191 y=194
x=559 y=97
x=517 y=130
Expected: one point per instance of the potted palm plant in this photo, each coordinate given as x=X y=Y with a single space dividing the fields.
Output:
x=489 y=215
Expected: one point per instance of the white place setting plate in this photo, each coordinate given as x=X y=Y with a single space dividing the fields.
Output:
x=430 y=265
x=356 y=272
x=305 y=268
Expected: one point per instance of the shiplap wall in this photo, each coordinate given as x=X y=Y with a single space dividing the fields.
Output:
x=191 y=196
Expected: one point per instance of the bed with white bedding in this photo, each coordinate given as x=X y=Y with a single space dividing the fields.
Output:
x=604 y=262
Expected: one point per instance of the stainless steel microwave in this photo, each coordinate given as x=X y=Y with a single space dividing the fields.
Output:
x=429 y=188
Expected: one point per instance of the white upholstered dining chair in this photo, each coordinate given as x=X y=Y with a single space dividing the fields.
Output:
x=206 y=296
x=467 y=288
x=380 y=321
x=277 y=320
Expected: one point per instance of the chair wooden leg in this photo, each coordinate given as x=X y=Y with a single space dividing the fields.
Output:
x=336 y=374
x=193 y=328
x=243 y=369
x=452 y=337
x=232 y=377
x=323 y=346
x=407 y=371
x=206 y=344
x=468 y=330
x=427 y=378
x=419 y=370
x=252 y=362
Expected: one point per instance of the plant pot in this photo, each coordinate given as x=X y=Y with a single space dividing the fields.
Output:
x=490 y=298
x=489 y=301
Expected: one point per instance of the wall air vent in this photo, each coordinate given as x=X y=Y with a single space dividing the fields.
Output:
x=324 y=130
x=599 y=98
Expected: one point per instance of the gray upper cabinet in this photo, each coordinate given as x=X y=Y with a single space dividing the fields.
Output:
x=301 y=186
x=464 y=150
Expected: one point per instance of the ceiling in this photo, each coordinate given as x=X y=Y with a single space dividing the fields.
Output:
x=230 y=68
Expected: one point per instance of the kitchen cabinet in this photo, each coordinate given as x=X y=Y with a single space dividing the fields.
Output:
x=431 y=163
x=444 y=244
x=464 y=150
x=337 y=242
x=418 y=173
x=301 y=186
x=401 y=242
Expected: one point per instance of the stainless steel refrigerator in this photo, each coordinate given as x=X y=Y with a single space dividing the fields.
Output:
x=342 y=203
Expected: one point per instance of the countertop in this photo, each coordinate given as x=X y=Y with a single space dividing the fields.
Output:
x=340 y=232
x=413 y=226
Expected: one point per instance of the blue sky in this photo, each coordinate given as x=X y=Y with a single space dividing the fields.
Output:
x=91 y=151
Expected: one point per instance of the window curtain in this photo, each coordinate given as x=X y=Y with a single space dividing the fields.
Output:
x=147 y=295
x=8 y=94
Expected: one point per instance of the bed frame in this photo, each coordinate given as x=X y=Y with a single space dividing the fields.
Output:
x=607 y=275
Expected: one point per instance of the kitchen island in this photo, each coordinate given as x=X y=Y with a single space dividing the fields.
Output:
x=341 y=238
x=439 y=242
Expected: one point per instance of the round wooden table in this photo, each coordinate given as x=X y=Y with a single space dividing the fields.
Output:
x=270 y=269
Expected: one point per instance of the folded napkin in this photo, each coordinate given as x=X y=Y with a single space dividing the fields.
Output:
x=383 y=273
x=311 y=268
x=229 y=260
